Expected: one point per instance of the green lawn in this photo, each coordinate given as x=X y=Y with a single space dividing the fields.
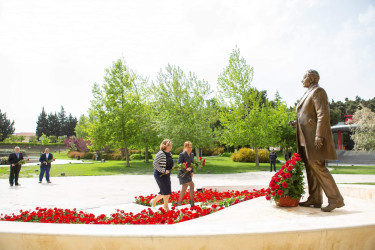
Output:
x=214 y=165
x=353 y=169
x=361 y=183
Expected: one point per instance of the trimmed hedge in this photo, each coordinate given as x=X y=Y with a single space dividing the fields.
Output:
x=248 y=155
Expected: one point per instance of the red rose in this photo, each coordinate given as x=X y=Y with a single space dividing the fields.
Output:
x=204 y=162
x=200 y=158
x=288 y=175
x=285 y=185
x=53 y=159
x=277 y=186
x=290 y=168
x=186 y=165
x=279 y=192
x=28 y=159
x=268 y=198
x=273 y=193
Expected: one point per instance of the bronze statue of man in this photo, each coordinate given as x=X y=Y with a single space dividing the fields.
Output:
x=315 y=144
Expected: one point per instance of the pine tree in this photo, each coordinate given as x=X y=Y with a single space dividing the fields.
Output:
x=71 y=125
x=42 y=124
x=6 y=127
x=63 y=122
x=53 y=125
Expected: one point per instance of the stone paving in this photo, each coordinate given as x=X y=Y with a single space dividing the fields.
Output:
x=104 y=194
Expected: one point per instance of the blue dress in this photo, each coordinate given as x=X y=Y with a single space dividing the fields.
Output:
x=182 y=158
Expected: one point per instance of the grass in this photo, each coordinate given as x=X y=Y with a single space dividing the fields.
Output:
x=361 y=183
x=62 y=155
x=353 y=169
x=214 y=165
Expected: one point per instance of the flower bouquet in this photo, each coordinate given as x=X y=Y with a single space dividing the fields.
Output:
x=287 y=184
x=194 y=165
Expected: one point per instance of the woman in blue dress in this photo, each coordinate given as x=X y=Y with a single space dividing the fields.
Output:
x=186 y=176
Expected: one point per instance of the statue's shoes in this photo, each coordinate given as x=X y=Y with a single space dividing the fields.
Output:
x=309 y=204
x=332 y=206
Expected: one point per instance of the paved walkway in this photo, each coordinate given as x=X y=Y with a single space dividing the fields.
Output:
x=104 y=194
x=254 y=224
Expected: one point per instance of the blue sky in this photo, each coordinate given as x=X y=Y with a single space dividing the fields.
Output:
x=51 y=52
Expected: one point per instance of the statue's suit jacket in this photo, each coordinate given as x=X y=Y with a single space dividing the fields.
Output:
x=313 y=119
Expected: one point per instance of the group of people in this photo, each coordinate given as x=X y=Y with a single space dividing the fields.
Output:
x=15 y=160
x=314 y=144
x=163 y=165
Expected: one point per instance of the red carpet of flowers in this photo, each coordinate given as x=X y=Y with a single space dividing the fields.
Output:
x=215 y=201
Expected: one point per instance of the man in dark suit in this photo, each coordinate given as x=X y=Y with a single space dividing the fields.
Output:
x=15 y=159
x=45 y=165
x=273 y=157
x=315 y=144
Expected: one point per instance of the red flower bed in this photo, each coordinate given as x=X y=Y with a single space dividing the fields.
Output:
x=205 y=196
x=146 y=216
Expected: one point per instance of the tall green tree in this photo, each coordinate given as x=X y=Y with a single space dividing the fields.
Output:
x=183 y=108
x=114 y=107
x=70 y=126
x=285 y=135
x=63 y=123
x=53 y=125
x=247 y=117
x=83 y=126
x=42 y=124
x=6 y=126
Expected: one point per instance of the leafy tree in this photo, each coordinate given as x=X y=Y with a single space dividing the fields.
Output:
x=182 y=107
x=248 y=118
x=82 y=127
x=339 y=109
x=114 y=107
x=6 y=126
x=147 y=135
x=285 y=134
x=364 y=134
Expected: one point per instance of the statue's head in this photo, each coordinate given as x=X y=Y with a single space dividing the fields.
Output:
x=313 y=76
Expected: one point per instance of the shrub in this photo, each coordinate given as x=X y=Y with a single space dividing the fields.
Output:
x=140 y=156
x=226 y=154
x=218 y=151
x=4 y=161
x=248 y=155
x=136 y=157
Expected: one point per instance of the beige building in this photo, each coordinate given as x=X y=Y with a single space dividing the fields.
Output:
x=26 y=134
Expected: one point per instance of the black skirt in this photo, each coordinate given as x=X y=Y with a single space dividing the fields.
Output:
x=184 y=179
x=164 y=182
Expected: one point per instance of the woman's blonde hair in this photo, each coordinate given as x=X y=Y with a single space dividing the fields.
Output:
x=164 y=144
x=187 y=143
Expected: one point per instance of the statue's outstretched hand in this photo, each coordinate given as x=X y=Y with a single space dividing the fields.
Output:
x=318 y=142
